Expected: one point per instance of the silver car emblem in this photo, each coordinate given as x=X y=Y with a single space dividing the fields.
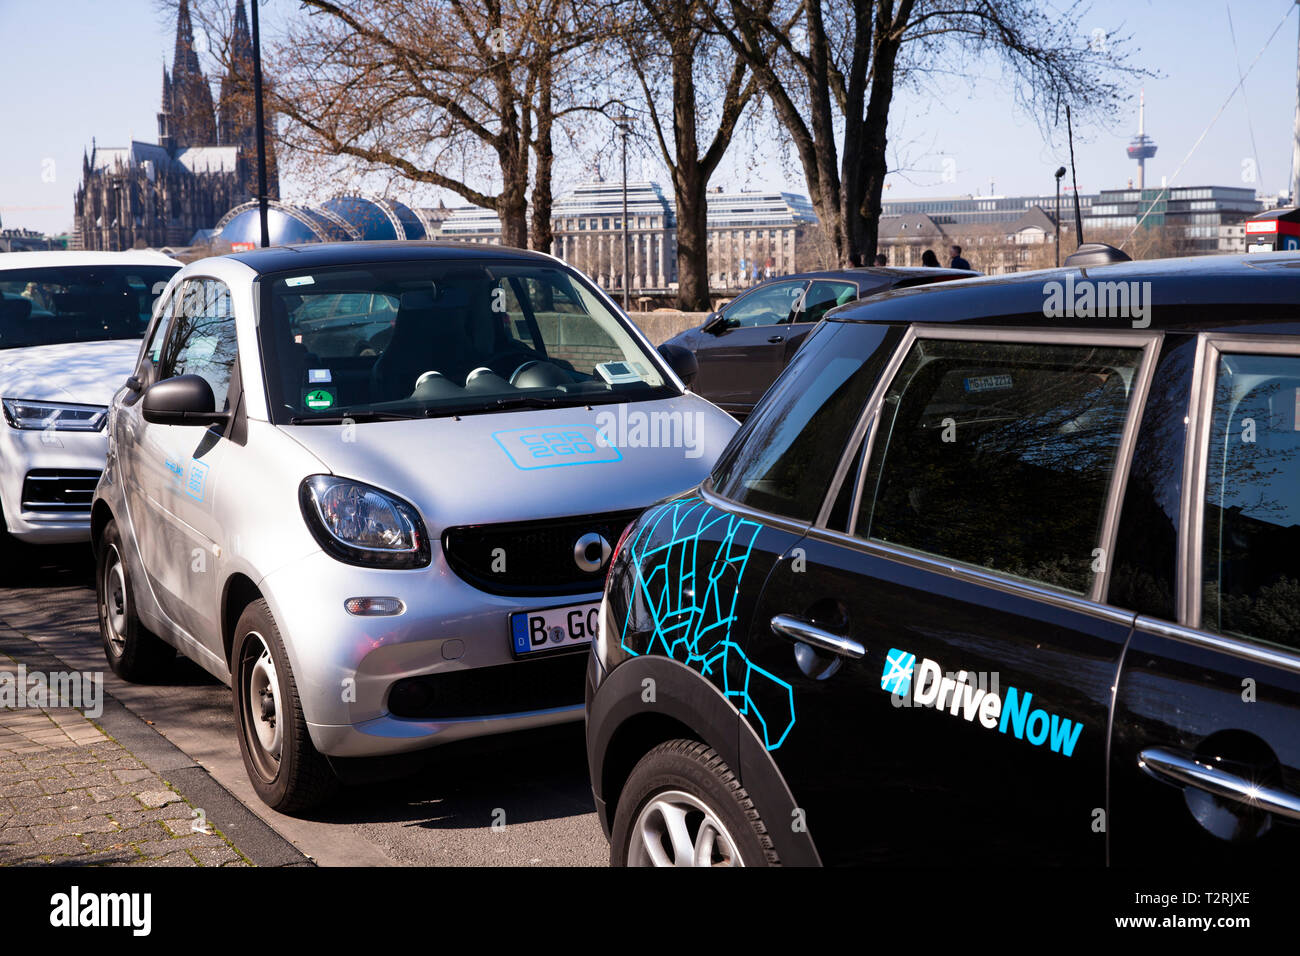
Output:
x=582 y=552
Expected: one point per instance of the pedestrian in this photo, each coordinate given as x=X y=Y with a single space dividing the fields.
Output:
x=928 y=258
x=957 y=261
x=855 y=260
x=881 y=260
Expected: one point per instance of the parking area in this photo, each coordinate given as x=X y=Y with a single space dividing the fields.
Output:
x=511 y=801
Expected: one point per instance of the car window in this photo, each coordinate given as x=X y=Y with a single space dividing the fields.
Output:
x=784 y=457
x=768 y=305
x=153 y=351
x=824 y=295
x=445 y=337
x=1000 y=455
x=1250 y=584
x=56 y=304
x=202 y=337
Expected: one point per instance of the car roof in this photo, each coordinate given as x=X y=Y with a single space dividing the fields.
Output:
x=314 y=255
x=897 y=273
x=74 y=258
x=1184 y=293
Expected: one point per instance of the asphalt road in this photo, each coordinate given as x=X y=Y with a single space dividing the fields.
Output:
x=533 y=786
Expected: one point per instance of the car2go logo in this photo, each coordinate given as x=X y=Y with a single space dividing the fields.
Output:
x=533 y=448
x=929 y=687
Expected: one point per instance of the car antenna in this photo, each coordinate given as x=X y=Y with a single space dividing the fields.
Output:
x=1086 y=253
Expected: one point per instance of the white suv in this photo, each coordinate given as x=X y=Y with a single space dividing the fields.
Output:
x=70 y=330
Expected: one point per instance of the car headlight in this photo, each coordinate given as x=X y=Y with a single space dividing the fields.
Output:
x=359 y=524
x=38 y=416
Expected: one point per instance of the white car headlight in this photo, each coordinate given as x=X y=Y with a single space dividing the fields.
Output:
x=362 y=525
x=38 y=416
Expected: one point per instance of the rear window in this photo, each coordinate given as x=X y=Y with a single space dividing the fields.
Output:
x=1251 y=537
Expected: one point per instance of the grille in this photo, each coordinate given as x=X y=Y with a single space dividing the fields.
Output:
x=537 y=555
x=552 y=681
x=67 y=490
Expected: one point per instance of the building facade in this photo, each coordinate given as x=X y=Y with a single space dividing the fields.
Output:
x=203 y=164
x=1191 y=215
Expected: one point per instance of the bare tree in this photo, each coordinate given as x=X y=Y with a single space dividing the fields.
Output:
x=839 y=63
x=682 y=67
x=452 y=93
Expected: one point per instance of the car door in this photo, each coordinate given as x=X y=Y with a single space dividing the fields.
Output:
x=743 y=352
x=950 y=663
x=1205 y=757
x=178 y=467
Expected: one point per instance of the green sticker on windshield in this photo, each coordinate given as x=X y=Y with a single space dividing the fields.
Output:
x=318 y=398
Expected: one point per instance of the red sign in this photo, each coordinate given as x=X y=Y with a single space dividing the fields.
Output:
x=1265 y=225
x=242 y=247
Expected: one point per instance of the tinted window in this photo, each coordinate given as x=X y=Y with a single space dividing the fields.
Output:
x=1000 y=455
x=783 y=460
x=202 y=337
x=78 y=303
x=1251 y=571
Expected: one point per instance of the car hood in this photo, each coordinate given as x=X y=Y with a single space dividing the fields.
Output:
x=525 y=465
x=83 y=373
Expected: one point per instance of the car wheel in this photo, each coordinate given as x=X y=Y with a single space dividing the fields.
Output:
x=133 y=652
x=286 y=770
x=683 y=806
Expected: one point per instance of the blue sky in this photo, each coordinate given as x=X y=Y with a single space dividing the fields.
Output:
x=77 y=69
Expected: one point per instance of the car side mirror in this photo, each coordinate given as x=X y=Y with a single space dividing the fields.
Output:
x=682 y=361
x=715 y=323
x=183 y=400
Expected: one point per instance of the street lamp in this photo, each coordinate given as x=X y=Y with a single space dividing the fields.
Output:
x=624 y=127
x=1059 y=173
x=261 y=127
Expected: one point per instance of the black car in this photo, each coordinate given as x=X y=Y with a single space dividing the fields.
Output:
x=743 y=347
x=1000 y=570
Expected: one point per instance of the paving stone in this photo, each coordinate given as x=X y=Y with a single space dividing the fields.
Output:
x=158 y=798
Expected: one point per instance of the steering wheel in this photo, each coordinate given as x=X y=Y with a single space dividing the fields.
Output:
x=505 y=363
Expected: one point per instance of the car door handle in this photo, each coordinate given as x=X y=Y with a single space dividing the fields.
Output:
x=1184 y=769
x=806 y=632
x=776 y=338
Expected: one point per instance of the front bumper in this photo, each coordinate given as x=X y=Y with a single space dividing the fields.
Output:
x=346 y=666
x=23 y=451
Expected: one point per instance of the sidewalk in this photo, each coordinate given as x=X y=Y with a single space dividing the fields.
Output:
x=113 y=791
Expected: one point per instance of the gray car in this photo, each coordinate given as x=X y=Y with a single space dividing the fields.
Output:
x=382 y=549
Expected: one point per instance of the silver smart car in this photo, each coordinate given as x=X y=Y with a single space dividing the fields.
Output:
x=375 y=487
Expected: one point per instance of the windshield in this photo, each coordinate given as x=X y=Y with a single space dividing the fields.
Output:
x=411 y=339
x=60 y=304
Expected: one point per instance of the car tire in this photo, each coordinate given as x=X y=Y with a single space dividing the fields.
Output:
x=289 y=774
x=683 y=800
x=132 y=651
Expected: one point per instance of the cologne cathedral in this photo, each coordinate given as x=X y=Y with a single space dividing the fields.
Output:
x=172 y=193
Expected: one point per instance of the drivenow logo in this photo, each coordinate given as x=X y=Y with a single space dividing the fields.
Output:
x=929 y=687
x=74 y=908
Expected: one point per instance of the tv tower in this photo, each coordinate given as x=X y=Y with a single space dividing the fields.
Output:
x=1142 y=147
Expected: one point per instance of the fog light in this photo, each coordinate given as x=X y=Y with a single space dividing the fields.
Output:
x=374 y=606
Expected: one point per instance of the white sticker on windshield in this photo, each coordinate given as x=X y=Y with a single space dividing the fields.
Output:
x=617 y=373
x=315 y=375
x=299 y=280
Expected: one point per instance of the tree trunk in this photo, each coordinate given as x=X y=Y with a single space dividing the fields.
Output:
x=692 y=239
x=541 y=237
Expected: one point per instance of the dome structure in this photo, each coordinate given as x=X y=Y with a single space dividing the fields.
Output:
x=338 y=219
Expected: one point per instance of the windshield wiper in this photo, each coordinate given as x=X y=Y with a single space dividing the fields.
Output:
x=366 y=416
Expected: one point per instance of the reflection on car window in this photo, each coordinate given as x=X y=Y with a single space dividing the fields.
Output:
x=784 y=457
x=1000 y=455
x=824 y=295
x=1251 y=565
x=769 y=305
x=202 y=337
x=52 y=305
x=444 y=337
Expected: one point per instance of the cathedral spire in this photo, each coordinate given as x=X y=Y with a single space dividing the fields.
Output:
x=193 y=116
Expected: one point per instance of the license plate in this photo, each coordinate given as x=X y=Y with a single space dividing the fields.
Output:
x=553 y=628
